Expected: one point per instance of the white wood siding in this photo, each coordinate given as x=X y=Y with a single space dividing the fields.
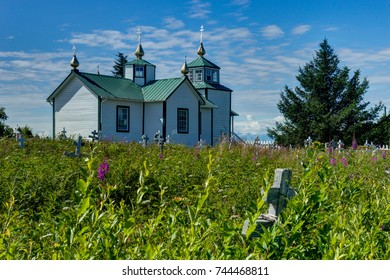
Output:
x=150 y=73
x=221 y=115
x=205 y=134
x=108 y=115
x=153 y=114
x=129 y=72
x=76 y=109
x=184 y=97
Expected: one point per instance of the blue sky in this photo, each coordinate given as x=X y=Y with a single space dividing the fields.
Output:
x=259 y=45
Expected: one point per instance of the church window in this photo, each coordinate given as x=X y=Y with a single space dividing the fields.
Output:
x=198 y=75
x=122 y=118
x=182 y=120
x=191 y=75
x=215 y=76
x=209 y=74
x=139 y=71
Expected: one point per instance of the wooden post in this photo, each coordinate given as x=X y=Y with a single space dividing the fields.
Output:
x=277 y=198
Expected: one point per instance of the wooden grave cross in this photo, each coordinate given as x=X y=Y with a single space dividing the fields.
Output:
x=145 y=139
x=63 y=133
x=21 y=141
x=78 y=145
x=277 y=198
x=94 y=136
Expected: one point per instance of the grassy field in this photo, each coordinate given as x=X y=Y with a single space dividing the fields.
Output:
x=123 y=201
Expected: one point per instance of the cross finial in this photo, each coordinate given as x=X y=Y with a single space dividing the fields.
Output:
x=139 y=32
x=74 y=49
x=201 y=33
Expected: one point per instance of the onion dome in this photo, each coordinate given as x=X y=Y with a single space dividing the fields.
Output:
x=184 y=69
x=139 y=52
x=74 y=61
x=201 y=51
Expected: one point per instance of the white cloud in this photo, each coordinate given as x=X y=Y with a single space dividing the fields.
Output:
x=244 y=3
x=271 y=32
x=112 y=38
x=332 y=29
x=199 y=9
x=300 y=29
x=173 y=23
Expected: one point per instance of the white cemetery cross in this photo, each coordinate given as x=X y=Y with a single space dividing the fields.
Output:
x=308 y=142
x=340 y=145
x=63 y=133
x=94 y=136
x=145 y=139
x=277 y=198
x=156 y=137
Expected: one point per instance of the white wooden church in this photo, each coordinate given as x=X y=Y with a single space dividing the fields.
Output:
x=188 y=109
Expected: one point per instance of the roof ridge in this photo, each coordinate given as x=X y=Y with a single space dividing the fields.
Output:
x=104 y=75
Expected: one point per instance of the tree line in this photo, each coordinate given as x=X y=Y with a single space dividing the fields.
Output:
x=328 y=105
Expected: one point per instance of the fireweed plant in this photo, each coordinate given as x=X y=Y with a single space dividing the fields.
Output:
x=124 y=201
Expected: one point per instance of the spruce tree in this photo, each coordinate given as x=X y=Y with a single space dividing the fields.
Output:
x=119 y=66
x=328 y=105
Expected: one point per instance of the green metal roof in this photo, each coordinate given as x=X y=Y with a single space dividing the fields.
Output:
x=138 y=61
x=232 y=113
x=202 y=62
x=208 y=104
x=203 y=85
x=111 y=87
x=120 y=88
x=160 y=90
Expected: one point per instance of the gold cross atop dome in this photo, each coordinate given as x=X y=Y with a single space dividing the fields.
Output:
x=139 y=52
x=139 y=32
x=74 y=62
x=201 y=51
x=201 y=33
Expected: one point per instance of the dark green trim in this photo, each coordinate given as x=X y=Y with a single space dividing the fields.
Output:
x=54 y=119
x=199 y=122
x=128 y=119
x=212 y=127
x=99 y=114
x=230 y=109
x=143 y=118
x=164 y=132
x=187 y=120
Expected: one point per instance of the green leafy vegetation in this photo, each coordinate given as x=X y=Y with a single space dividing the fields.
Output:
x=329 y=105
x=123 y=201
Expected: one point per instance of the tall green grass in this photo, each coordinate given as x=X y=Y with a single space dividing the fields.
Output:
x=188 y=203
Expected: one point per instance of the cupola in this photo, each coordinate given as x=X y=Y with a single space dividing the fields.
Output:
x=140 y=70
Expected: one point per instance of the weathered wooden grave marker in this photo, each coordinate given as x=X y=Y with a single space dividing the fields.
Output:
x=63 y=134
x=78 y=145
x=159 y=139
x=145 y=139
x=94 y=136
x=277 y=198
x=21 y=140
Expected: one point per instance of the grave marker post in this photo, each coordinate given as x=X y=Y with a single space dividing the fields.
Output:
x=277 y=198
